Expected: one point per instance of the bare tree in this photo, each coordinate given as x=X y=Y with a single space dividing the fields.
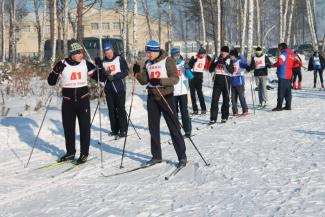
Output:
x=145 y=8
x=42 y=40
x=323 y=44
x=80 y=6
x=65 y=31
x=125 y=26
x=38 y=27
x=53 y=29
x=3 y=28
x=135 y=28
x=258 y=22
x=243 y=29
x=101 y=29
x=250 y=30
x=203 y=23
x=311 y=22
x=12 y=33
x=288 y=37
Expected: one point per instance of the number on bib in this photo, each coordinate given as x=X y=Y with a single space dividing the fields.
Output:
x=155 y=74
x=111 y=68
x=75 y=76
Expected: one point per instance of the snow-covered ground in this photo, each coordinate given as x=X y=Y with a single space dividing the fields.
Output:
x=268 y=164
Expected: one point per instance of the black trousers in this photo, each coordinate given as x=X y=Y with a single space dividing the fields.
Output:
x=181 y=105
x=196 y=86
x=296 y=74
x=238 y=92
x=116 y=111
x=284 y=92
x=71 y=110
x=155 y=108
x=320 y=72
x=221 y=86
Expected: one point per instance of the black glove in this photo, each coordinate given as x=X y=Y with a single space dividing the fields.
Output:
x=109 y=75
x=154 y=81
x=98 y=62
x=221 y=60
x=59 y=67
x=136 y=68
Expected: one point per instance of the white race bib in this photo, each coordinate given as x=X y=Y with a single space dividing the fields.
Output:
x=181 y=87
x=157 y=70
x=260 y=62
x=199 y=65
x=113 y=66
x=75 y=76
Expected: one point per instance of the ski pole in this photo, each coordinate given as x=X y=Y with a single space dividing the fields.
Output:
x=128 y=122
x=252 y=93
x=100 y=119
x=171 y=111
x=39 y=130
x=101 y=94
x=136 y=132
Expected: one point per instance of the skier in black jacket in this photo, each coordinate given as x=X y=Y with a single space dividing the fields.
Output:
x=115 y=69
x=73 y=73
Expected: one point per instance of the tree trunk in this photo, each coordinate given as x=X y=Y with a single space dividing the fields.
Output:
x=42 y=42
x=281 y=21
x=203 y=23
x=243 y=33
x=125 y=26
x=170 y=25
x=258 y=23
x=218 y=27
x=323 y=44
x=250 y=30
x=214 y=23
x=59 y=29
x=73 y=24
x=101 y=29
x=135 y=28
x=66 y=4
x=3 y=45
x=38 y=27
x=159 y=20
x=311 y=25
x=79 y=21
x=145 y=8
x=53 y=27
x=288 y=37
x=12 y=33
x=284 y=16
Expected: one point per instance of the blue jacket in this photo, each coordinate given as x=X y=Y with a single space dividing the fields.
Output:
x=238 y=77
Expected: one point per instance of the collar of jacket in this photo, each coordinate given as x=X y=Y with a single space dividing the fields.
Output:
x=110 y=60
x=162 y=55
x=71 y=61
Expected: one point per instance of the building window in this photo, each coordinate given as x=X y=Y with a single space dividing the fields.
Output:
x=106 y=26
x=116 y=25
x=25 y=28
x=94 y=26
x=47 y=29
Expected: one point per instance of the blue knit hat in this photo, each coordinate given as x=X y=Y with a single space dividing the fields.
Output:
x=152 y=46
x=107 y=46
x=175 y=52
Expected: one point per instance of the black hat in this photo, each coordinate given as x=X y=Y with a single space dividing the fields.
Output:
x=234 y=52
x=202 y=51
x=283 y=46
x=225 y=49
x=258 y=49
x=74 y=47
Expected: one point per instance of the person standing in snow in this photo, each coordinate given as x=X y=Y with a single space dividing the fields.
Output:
x=317 y=64
x=198 y=65
x=160 y=76
x=115 y=69
x=73 y=73
x=181 y=90
x=260 y=62
x=238 y=82
x=296 y=70
x=222 y=68
x=284 y=73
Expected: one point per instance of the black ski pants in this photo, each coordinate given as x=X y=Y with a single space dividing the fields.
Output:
x=196 y=87
x=284 y=92
x=220 y=86
x=238 y=92
x=181 y=105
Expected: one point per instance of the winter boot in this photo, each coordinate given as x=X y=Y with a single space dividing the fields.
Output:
x=66 y=157
x=299 y=85
x=182 y=162
x=153 y=161
x=82 y=159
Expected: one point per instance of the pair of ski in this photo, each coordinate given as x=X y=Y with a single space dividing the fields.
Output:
x=167 y=176
x=73 y=166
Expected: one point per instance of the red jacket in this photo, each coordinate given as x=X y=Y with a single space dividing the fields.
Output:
x=297 y=63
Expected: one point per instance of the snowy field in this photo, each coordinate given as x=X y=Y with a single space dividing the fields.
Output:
x=268 y=164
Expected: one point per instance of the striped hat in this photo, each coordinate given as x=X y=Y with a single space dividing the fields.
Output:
x=152 y=46
x=75 y=48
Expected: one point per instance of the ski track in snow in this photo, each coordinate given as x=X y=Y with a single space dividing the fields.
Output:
x=268 y=164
